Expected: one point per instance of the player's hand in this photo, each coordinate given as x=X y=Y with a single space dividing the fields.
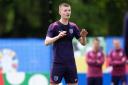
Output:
x=98 y=61
x=83 y=33
x=62 y=34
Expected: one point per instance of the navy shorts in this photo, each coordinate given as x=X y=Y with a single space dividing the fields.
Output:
x=116 y=80
x=59 y=71
x=94 y=81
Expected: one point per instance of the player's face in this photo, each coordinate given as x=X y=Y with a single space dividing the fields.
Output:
x=116 y=44
x=96 y=45
x=65 y=12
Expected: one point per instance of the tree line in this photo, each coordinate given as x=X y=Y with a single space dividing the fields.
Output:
x=31 y=18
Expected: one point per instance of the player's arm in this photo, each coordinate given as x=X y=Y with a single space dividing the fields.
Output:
x=83 y=35
x=90 y=60
x=50 y=40
x=82 y=40
x=100 y=60
x=122 y=61
x=118 y=62
x=114 y=62
x=124 y=58
x=111 y=63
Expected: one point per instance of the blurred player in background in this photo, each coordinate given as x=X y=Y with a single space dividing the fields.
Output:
x=60 y=34
x=126 y=35
x=95 y=60
x=118 y=61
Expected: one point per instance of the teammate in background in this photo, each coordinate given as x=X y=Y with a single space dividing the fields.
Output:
x=60 y=34
x=126 y=35
x=118 y=61
x=95 y=60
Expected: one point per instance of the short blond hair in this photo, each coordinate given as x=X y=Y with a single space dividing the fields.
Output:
x=64 y=4
x=96 y=39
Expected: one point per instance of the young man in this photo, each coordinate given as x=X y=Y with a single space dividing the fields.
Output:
x=95 y=60
x=118 y=61
x=60 y=34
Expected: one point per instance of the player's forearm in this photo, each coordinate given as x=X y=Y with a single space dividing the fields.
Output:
x=91 y=61
x=49 y=40
x=117 y=62
x=101 y=60
x=82 y=40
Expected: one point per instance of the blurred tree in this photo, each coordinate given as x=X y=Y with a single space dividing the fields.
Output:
x=88 y=14
x=30 y=18
x=115 y=11
x=99 y=17
x=4 y=7
x=24 y=18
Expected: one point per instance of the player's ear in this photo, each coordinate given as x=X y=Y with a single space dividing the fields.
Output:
x=60 y=8
x=59 y=12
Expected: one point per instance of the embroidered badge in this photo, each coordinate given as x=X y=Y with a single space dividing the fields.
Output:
x=56 y=78
x=70 y=31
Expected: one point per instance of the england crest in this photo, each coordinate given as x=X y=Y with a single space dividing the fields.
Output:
x=70 y=31
x=56 y=78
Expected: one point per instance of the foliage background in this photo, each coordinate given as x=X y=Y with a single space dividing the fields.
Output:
x=31 y=18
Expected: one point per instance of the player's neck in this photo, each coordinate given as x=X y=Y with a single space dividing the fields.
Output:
x=95 y=49
x=64 y=21
x=117 y=48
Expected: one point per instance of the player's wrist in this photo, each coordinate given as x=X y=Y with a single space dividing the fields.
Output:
x=57 y=37
x=83 y=37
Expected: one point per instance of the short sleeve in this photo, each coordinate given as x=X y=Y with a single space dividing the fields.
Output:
x=77 y=32
x=50 y=30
